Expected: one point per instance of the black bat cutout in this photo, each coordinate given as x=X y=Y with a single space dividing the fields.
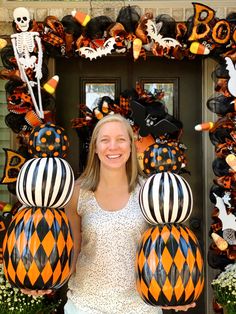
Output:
x=149 y=123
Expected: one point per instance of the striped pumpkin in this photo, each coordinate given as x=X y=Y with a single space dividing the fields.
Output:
x=169 y=266
x=38 y=249
x=166 y=198
x=45 y=182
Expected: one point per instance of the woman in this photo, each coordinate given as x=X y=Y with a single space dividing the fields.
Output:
x=107 y=224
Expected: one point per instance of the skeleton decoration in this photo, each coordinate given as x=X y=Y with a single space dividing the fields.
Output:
x=24 y=45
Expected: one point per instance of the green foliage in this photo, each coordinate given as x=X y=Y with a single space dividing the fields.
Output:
x=224 y=287
x=12 y=300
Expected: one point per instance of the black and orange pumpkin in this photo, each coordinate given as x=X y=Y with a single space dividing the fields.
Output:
x=48 y=140
x=38 y=249
x=169 y=266
x=45 y=182
x=162 y=157
x=166 y=198
x=5 y=219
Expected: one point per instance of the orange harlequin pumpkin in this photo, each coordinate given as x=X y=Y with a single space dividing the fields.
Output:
x=162 y=157
x=169 y=266
x=38 y=249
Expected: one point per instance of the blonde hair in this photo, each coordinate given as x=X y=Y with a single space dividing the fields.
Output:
x=89 y=179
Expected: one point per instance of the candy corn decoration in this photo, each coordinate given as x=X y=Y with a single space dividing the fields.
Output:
x=51 y=85
x=98 y=114
x=205 y=126
x=3 y=43
x=219 y=241
x=199 y=49
x=105 y=107
x=81 y=17
x=231 y=161
x=137 y=45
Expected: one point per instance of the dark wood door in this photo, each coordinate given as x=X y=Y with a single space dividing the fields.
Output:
x=189 y=76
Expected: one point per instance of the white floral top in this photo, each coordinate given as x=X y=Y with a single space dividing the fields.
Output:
x=105 y=278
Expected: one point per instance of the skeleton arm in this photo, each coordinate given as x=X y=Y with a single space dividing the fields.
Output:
x=38 y=65
x=16 y=54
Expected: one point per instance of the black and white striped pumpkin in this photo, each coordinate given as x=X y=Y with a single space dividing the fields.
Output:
x=166 y=198
x=45 y=182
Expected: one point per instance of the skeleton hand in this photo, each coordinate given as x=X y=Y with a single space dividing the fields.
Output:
x=38 y=71
x=32 y=83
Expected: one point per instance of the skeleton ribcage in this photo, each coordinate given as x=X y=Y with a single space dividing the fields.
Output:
x=25 y=42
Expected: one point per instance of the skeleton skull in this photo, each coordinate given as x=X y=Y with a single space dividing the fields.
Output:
x=22 y=18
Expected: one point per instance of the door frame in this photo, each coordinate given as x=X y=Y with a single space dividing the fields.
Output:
x=208 y=66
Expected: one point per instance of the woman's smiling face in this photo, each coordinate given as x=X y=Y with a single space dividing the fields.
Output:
x=113 y=145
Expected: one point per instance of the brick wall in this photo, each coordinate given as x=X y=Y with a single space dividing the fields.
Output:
x=5 y=138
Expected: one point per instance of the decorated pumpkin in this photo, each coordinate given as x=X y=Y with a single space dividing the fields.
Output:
x=162 y=157
x=48 y=140
x=45 y=182
x=38 y=249
x=169 y=266
x=166 y=198
x=5 y=219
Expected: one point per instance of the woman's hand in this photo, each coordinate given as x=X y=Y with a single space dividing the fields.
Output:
x=179 y=307
x=36 y=293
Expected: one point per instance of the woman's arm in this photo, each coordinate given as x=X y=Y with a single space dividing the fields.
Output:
x=75 y=224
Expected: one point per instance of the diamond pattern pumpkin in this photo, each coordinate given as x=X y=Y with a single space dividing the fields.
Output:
x=169 y=266
x=38 y=249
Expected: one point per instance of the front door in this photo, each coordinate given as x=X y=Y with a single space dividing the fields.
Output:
x=125 y=73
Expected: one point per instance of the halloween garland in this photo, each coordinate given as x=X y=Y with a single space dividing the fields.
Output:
x=31 y=103
x=222 y=134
